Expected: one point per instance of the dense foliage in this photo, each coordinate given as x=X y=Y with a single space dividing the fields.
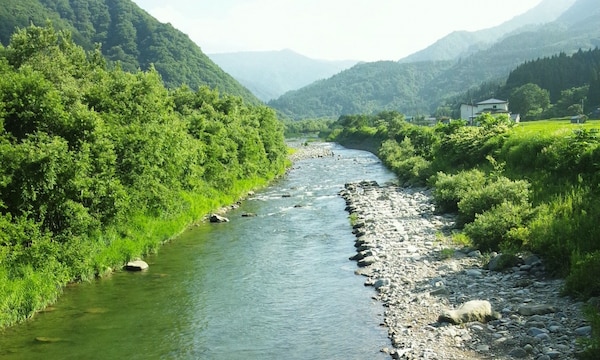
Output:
x=366 y=88
x=560 y=72
x=100 y=165
x=127 y=34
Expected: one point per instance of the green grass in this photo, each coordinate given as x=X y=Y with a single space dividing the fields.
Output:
x=555 y=127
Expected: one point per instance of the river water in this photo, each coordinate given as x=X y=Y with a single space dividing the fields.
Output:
x=275 y=286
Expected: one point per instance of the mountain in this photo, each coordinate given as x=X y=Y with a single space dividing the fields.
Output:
x=127 y=34
x=463 y=43
x=270 y=74
x=365 y=88
x=418 y=93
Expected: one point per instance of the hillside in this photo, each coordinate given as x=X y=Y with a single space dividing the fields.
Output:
x=270 y=74
x=128 y=35
x=420 y=93
x=364 y=88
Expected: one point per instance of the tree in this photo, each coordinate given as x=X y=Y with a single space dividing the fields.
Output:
x=570 y=101
x=529 y=100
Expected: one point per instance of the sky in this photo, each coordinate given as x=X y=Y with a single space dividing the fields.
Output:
x=363 y=30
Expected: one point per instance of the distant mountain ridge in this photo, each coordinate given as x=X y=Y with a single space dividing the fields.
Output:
x=270 y=74
x=128 y=35
x=463 y=43
x=417 y=93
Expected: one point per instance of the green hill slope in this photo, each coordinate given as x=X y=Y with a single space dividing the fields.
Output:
x=419 y=88
x=127 y=34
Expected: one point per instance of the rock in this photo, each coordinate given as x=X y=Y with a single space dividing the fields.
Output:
x=502 y=262
x=136 y=265
x=518 y=353
x=535 y=331
x=528 y=310
x=475 y=310
x=475 y=254
x=381 y=283
x=215 y=218
x=369 y=260
x=584 y=331
x=248 y=215
x=442 y=290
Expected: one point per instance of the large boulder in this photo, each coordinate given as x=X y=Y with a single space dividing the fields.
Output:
x=475 y=310
x=136 y=265
x=214 y=218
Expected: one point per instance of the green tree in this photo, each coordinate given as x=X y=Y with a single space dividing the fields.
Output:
x=529 y=100
x=570 y=101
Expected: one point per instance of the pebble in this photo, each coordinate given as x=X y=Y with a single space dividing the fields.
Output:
x=417 y=276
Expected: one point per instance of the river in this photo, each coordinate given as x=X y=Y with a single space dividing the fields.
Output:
x=275 y=286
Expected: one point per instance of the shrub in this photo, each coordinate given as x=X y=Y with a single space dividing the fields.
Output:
x=401 y=158
x=477 y=200
x=579 y=282
x=449 y=189
x=499 y=227
x=567 y=224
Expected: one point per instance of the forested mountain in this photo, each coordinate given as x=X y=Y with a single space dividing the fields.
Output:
x=462 y=43
x=419 y=93
x=365 y=88
x=270 y=74
x=558 y=73
x=127 y=34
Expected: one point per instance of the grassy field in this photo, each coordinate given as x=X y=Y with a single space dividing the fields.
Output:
x=555 y=126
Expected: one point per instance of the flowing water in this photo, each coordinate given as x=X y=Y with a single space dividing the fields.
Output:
x=275 y=286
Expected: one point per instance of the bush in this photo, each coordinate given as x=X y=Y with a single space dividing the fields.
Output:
x=401 y=158
x=579 y=282
x=477 y=200
x=500 y=227
x=567 y=224
x=449 y=189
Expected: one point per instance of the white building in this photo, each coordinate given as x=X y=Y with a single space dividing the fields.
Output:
x=490 y=106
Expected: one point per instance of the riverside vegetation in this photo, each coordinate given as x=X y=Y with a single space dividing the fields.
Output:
x=100 y=166
x=527 y=188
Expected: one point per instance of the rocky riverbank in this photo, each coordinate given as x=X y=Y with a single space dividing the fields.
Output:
x=420 y=279
x=309 y=150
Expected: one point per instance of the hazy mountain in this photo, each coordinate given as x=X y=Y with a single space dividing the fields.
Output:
x=419 y=93
x=463 y=43
x=269 y=74
x=129 y=35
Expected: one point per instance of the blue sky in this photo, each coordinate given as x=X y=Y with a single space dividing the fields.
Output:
x=366 y=30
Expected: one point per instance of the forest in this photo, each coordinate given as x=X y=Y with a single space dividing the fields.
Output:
x=128 y=35
x=100 y=165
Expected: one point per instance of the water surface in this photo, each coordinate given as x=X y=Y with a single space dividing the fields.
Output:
x=275 y=286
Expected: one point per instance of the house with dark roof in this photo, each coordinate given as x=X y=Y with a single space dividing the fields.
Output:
x=489 y=106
